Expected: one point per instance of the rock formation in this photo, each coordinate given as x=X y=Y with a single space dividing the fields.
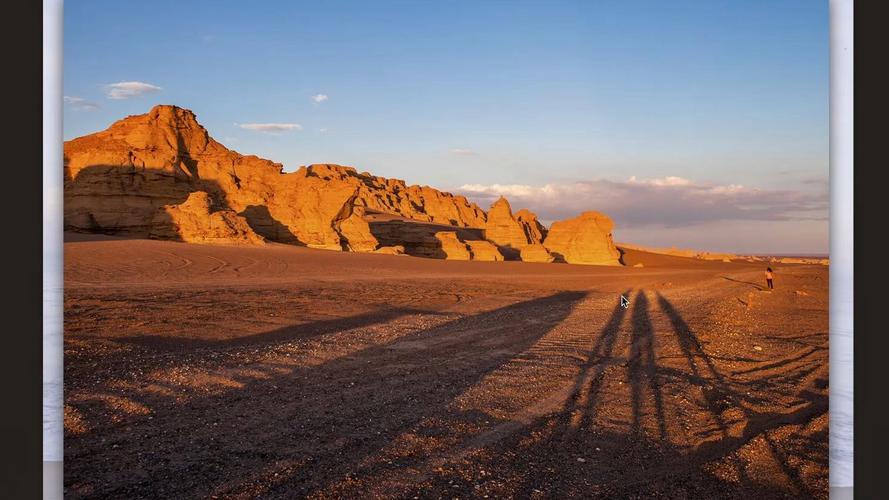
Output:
x=393 y=250
x=451 y=246
x=536 y=253
x=116 y=180
x=161 y=175
x=483 y=250
x=393 y=196
x=194 y=221
x=417 y=237
x=585 y=239
x=534 y=230
x=504 y=230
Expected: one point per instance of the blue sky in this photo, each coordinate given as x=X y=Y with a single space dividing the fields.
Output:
x=714 y=114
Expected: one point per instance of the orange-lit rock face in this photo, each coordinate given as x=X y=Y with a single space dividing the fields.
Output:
x=534 y=230
x=536 y=253
x=195 y=221
x=452 y=247
x=116 y=180
x=585 y=239
x=139 y=178
x=503 y=229
x=484 y=250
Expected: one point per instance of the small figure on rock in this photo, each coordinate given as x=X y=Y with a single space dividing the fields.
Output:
x=769 y=278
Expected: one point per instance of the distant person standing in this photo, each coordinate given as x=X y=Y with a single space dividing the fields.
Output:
x=769 y=278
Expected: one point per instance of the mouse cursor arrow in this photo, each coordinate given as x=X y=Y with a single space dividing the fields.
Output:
x=624 y=302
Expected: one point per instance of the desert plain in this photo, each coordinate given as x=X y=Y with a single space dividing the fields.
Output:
x=237 y=330
x=280 y=371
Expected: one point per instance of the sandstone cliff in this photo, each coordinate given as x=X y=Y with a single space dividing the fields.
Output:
x=504 y=230
x=195 y=221
x=116 y=180
x=451 y=246
x=161 y=175
x=585 y=239
x=534 y=230
x=536 y=253
x=484 y=250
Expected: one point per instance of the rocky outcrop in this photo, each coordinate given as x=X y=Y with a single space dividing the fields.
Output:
x=536 y=253
x=483 y=250
x=417 y=238
x=504 y=230
x=161 y=175
x=393 y=196
x=116 y=180
x=451 y=246
x=195 y=221
x=585 y=239
x=534 y=230
x=393 y=250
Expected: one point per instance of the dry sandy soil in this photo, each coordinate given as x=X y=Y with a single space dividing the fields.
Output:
x=281 y=372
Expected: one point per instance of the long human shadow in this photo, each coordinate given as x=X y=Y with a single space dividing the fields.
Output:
x=541 y=460
x=642 y=364
x=758 y=423
x=312 y=426
x=562 y=439
x=598 y=361
x=583 y=399
x=701 y=366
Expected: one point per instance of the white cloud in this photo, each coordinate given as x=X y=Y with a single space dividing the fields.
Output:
x=127 y=90
x=323 y=130
x=271 y=128
x=319 y=98
x=81 y=104
x=665 y=202
x=670 y=180
x=462 y=152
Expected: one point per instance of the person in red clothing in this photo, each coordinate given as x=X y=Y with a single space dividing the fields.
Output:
x=769 y=278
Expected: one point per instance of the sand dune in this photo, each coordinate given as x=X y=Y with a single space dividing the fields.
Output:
x=195 y=371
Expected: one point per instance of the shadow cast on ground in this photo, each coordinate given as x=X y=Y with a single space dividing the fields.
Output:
x=310 y=430
x=309 y=427
x=575 y=452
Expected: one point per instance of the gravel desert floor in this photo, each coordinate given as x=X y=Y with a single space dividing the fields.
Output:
x=198 y=371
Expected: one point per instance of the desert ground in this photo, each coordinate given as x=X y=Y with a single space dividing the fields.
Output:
x=197 y=371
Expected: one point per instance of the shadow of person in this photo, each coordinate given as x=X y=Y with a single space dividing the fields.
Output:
x=642 y=367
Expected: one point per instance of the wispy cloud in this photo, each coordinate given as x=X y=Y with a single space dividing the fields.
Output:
x=319 y=98
x=323 y=130
x=128 y=90
x=670 y=180
x=666 y=202
x=271 y=128
x=80 y=103
x=462 y=152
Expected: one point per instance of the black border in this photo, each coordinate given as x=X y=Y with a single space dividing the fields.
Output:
x=21 y=429
x=21 y=376
x=871 y=349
